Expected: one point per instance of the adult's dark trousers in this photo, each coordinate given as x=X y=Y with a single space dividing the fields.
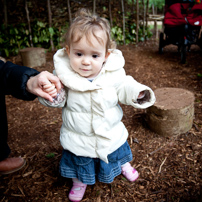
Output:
x=4 y=148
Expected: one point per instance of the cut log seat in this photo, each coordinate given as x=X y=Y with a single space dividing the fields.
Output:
x=33 y=57
x=172 y=113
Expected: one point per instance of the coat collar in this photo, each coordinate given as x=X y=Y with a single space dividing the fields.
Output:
x=74 y=81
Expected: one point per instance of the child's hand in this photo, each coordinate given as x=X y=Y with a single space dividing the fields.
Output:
x=50 y=89
x=141 y=95
x=58 y=99
x=144 y=96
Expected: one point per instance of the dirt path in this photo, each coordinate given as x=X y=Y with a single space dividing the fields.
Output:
x=170 y=168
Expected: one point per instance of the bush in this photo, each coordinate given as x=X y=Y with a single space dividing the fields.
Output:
x=130 y=35
x=14 y=38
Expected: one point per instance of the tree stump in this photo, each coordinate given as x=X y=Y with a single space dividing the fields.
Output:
x=32 y=57
x=172 y=113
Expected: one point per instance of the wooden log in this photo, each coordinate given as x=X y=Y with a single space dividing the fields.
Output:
x=172 y=113
x=33 y=57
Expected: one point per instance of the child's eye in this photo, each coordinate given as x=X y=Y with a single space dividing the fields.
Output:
x=95 y=56
x=79 y=54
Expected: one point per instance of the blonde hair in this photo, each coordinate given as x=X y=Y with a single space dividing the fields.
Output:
x=86 y=24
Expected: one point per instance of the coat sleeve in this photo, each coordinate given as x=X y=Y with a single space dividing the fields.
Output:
x=13 y=80
x=128 y=91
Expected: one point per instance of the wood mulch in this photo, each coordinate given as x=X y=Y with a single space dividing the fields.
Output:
x=170 y=168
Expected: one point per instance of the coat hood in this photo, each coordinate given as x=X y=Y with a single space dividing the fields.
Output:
x=73 y=80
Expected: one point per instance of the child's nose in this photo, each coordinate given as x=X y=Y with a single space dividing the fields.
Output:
x=86 y=61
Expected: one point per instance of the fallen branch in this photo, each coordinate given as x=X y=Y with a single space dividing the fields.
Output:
x=162 y=164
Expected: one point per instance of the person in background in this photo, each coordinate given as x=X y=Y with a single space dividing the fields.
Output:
x=23 y=83
x=93 y=136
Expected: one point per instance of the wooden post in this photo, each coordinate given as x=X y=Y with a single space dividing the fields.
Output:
x=172 y=113
x=156 y=29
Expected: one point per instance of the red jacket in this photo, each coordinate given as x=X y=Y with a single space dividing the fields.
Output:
x=183 y=13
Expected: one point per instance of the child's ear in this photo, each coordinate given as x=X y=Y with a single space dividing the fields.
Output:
x=107 y=55
x=67 y=50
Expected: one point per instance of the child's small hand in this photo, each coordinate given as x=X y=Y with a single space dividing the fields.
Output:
x=58 y=99
x=50 y=89
x=144 y=96
x=141 y=95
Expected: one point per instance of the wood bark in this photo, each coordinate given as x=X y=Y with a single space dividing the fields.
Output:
x=144 y=17
x=137 y=20
x=94 y=6
x=50 y=23
x=5 y=14
x=110 y=14
x=123 y=16
x=69 y=12
x=133 y=6
x=147 y=15
x=29 y=25
x=172 y=113
x=153 y=10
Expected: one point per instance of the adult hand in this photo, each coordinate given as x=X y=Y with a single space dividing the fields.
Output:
x=35 y=85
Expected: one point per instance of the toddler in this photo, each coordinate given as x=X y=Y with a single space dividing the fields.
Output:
x=92 y=135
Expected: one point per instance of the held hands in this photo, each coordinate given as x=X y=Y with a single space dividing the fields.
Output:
x=50 y=89
x=44 y=85
x=58 y=97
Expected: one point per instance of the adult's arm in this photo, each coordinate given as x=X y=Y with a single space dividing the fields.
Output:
x=13 y=80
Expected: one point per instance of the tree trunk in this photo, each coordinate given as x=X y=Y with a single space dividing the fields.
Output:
x=110 y=13
x=147 y=13
x=28 y=19
x=137 y=20
x=50 y=24
x=69 y=12
x=94 y=6
x=133 y=6
x=123 y=15
x=153 y=11
x=5 y=14
x=144 y=18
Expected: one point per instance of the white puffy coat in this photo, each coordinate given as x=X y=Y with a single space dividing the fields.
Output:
x=92 y=125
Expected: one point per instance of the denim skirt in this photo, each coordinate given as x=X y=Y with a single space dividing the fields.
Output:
x=87 y=169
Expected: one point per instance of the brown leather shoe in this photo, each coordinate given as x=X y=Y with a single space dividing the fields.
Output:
x=11 y=165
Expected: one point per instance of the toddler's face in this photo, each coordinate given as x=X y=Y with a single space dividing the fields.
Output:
x=87 y=59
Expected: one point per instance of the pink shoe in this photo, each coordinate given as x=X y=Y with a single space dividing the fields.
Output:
x=77 y=191
x=129 y=172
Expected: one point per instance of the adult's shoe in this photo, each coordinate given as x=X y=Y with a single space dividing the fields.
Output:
x=11 y=165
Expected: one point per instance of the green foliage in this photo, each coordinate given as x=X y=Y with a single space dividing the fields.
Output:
x=157 y=3
x=14 y=38
x=50 y=155
x=117 y=34
x=199 y=75
x=130 y=31
x=130 y=35
x=42 y=33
